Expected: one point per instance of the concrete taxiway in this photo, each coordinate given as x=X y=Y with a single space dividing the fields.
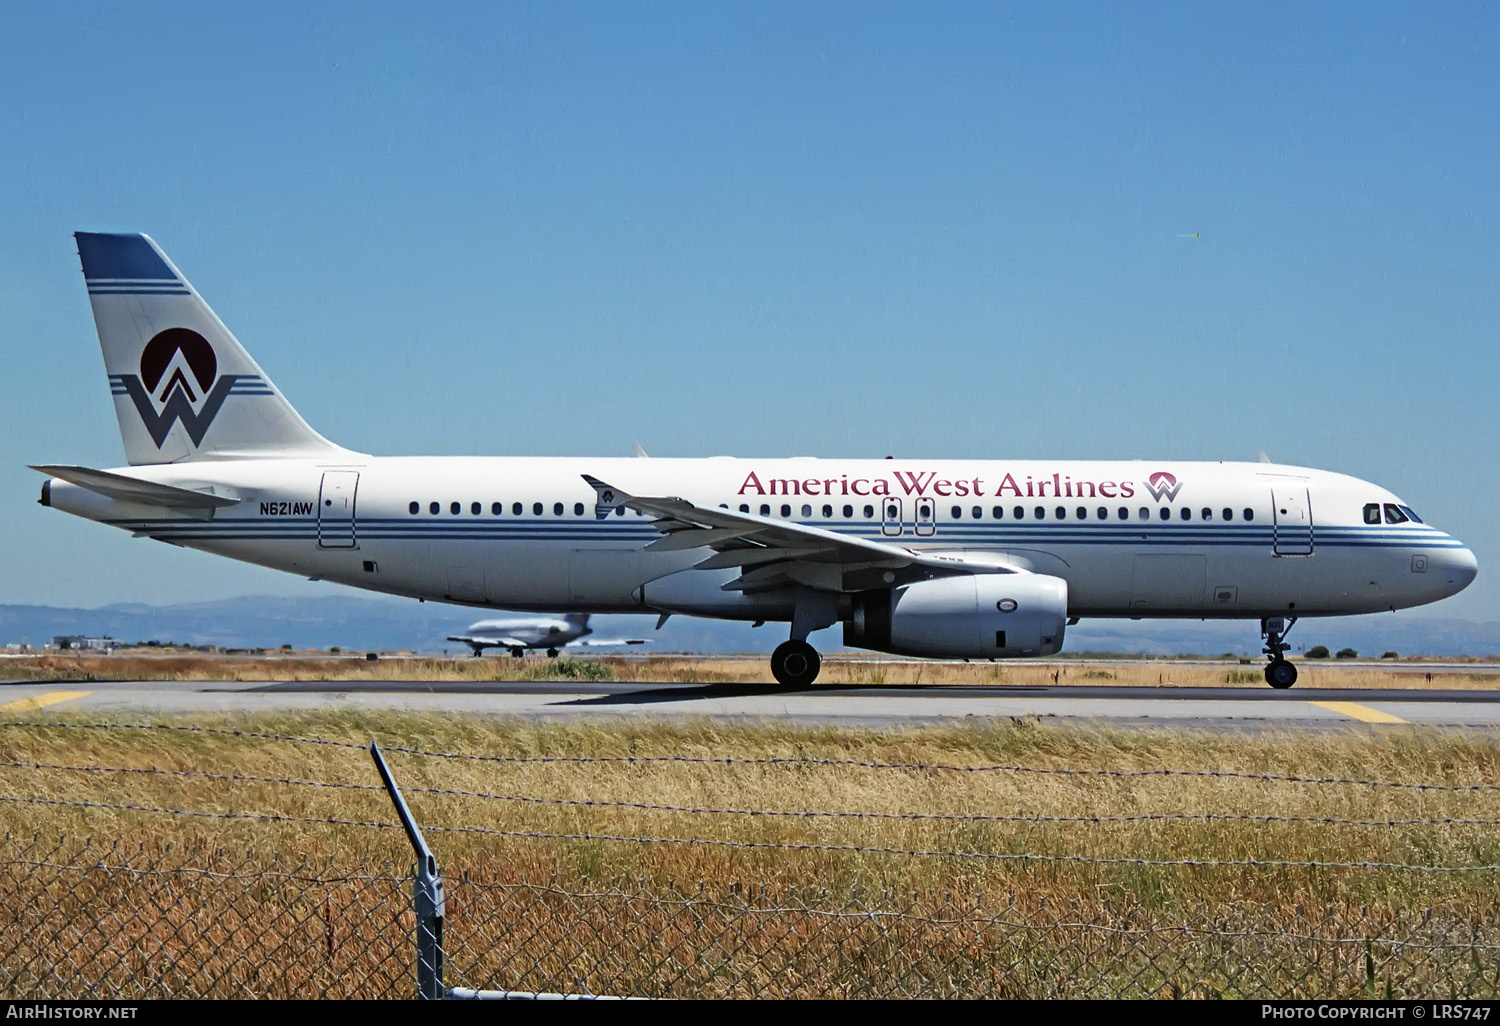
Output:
x=1248 y=707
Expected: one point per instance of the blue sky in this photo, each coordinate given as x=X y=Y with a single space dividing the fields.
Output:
x=771 y=229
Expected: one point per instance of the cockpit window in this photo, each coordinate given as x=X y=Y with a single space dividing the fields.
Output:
x=1372 y=512
x=1409 y=514
x=1393 y=514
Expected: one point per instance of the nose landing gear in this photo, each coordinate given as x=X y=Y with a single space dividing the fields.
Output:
x=1280 y=674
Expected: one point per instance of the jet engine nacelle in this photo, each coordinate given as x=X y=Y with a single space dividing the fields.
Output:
x=978 y=616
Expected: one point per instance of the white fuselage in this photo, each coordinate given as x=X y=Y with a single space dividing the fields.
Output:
x=1137 y=539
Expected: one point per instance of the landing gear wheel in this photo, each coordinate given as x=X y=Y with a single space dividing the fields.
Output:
x=795 y=664
x=519 y=653
x=551 y=653
x=1281 y=674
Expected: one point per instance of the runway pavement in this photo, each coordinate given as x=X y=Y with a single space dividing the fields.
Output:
x=1247 y=707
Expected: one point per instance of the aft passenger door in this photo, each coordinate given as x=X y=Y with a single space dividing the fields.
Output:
x=1292 y=514
x=336 y=509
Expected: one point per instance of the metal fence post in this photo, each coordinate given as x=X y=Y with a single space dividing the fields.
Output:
x=427 y=893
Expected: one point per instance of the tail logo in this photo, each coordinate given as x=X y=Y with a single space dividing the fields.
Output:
x=1163 y=485
x=179 y=383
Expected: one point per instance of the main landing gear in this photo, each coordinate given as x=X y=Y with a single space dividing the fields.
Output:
x=795 y=664
x=1280 y=674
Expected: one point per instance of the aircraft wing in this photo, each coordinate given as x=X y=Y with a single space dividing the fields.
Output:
x=773 y=553
x=133 y=489
x=608 y=642
x=490 y=641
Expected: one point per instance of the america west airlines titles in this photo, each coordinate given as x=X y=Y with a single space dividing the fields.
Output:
x=921 y=483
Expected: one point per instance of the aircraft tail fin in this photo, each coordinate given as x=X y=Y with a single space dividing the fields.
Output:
x=184 y=387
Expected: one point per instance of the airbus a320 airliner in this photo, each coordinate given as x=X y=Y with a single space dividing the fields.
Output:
x=934 y=558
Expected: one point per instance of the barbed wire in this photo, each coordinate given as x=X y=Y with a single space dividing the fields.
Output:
x=774 y=845
x=981 y=855
x=960 y=817
x=187 y=728
x=601 y=803
x=273 y=817
x=866 y=910
x=245 y=778
x=779 y=761
x=257 y=871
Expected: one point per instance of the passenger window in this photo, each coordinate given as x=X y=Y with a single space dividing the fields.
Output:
x=1124 y=513
x=496 y=509
x=516 y=508
x=1372 y=512
x=848 y=512
x=978 y=512
x=869 y=512
x=415 y=507
x=1208 y=514
x=786 y=509
x=1041 y=512
x=1187 y=514
x=827 y=512
x=1062 y=512
x=1020 y=512
x=806 y=511
x=1102 y=513
x=454 y=508
x=1145 y=513
x=1166 y=513
x=1083 y=513
x=998 y=512
x=1228 y=513
x=578 y=509
x=1393 y=515
x=619 y=510
x=536 y=508
x=557 y=509
x=1249 y=513
x=765 y=509
x=744 y=507
x=474 y=509
x=958 y=512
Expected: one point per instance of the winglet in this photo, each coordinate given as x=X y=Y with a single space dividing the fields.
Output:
x=607 y=497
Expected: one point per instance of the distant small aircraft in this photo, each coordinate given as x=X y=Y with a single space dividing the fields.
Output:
x=1192 y=235
x=550 y=633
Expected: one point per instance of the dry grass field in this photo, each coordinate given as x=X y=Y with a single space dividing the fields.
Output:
x=1018 y=817
x=738 y=669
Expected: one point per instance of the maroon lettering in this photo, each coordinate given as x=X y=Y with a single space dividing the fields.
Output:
x=914 y=482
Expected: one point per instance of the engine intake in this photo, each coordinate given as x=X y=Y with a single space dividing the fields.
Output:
x=977 y=616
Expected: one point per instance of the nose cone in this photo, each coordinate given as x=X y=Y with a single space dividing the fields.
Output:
x=1459 y=568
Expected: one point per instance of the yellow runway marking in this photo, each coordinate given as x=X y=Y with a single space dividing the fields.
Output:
x=36 y=702
x=1363 y=713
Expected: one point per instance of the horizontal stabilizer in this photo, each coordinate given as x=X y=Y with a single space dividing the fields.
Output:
x=130 y=489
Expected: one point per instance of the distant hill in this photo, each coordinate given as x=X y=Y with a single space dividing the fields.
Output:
x=376 y=623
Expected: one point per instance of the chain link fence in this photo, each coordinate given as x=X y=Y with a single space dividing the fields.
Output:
x=81 y=918
x=742 y=942
x=90 y=920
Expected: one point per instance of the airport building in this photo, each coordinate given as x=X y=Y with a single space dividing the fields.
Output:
x=82 y=641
